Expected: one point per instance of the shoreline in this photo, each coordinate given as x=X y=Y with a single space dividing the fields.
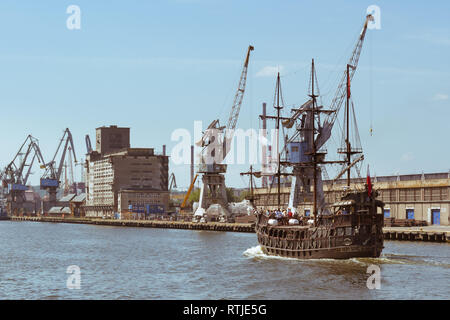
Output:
x=426 y=234
x=210 y=226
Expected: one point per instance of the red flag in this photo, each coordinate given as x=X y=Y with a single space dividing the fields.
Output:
x=348 y=86
x=369 y=182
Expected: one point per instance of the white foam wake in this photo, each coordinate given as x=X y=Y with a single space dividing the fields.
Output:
x=256 y=252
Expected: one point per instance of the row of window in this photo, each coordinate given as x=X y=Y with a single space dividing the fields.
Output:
x=145 y=195
x=415 y=194
x=409 y=214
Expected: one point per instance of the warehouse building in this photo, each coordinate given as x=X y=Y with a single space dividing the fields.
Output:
x=423 y=197
x=121 y=180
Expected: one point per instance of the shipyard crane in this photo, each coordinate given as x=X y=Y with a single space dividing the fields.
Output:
x=336 y=103
x=216 y=149
x=17 y=172
x=302 y=175
x=216 y=141
x=50 y=181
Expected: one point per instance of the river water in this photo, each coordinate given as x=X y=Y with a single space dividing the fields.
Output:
x=145 y=263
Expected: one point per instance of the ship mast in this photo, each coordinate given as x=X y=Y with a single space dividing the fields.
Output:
x=348 y=126
x=317 y=156
x=251 y=173
x=314 y=153
x=348 y=150
x=278 y=107
x=278 y=118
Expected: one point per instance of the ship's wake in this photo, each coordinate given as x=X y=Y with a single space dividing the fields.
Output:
x=256 y=252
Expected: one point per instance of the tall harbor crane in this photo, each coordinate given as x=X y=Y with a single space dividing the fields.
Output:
x=302 y=144
x=347 y=76
x=50 y=181
x=17 y=172
x=216 y=141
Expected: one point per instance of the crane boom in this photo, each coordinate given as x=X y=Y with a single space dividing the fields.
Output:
x=219 y=150
x=188 y=193
x=239 y=93
x=53 y=172
x=336 y=103
x=88 y=144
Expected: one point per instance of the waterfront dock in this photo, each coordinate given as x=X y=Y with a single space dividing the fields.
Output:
x=210 y=226
x=428 y=233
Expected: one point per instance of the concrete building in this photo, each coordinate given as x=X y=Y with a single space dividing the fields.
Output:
x=417 y=196
x=77 y=205
x=111 y=139
x=121 y=180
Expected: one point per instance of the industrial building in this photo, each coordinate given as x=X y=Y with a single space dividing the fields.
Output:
x=417 y=196
x=123 y=181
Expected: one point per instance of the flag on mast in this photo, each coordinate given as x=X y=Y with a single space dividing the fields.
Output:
x=348 y=81
x=348 y=86
x=369 y=182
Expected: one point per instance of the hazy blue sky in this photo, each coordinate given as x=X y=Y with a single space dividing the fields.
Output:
x=156 y=66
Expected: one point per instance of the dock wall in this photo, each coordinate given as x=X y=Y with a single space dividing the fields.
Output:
x=390 y=233
x=210 y=226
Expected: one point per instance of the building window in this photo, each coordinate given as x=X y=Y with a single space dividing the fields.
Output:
x=387 y=213
x=410 y=214
x=392 y=195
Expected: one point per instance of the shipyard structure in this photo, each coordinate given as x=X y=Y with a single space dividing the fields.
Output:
x=124 y=182
x=420 y=197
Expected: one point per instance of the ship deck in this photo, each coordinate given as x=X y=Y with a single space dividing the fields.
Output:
x=296 y=227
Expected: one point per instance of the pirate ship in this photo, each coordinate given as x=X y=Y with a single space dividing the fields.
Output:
x=346 y=228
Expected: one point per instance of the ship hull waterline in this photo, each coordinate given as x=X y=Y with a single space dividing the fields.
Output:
x=339 y=253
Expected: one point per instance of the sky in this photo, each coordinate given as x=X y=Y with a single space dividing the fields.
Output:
x=158 y=66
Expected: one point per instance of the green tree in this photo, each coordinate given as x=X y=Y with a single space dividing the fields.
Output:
x=194 y=196
x=230 y=195
x=244 y=195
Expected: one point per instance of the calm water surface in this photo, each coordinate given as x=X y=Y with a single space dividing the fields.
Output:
x=145 y=263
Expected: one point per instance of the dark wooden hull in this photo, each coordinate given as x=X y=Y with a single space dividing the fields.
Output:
x=334 y=237
x=325 y=253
